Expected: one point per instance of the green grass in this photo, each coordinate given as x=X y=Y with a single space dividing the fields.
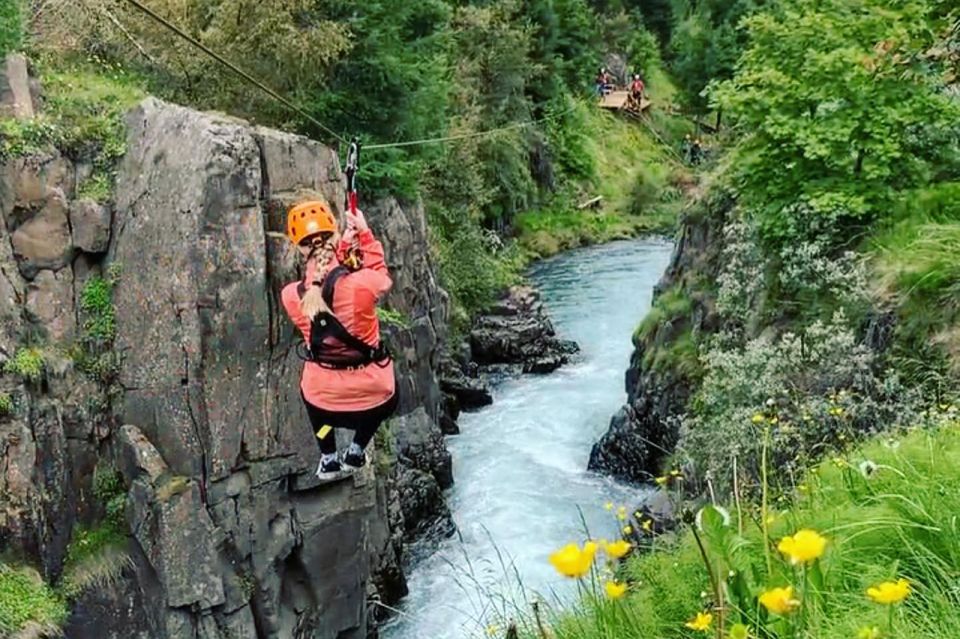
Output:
x=11 y=26
x=916 y=262
x=6 y=404
x=27 y=363
x=888 y=511
x=641 y=185
x=672 y=304
x=393 y=317
x=82 y=116
x=25 y=600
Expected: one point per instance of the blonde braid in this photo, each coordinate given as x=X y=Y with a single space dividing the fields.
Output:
x=312 y=303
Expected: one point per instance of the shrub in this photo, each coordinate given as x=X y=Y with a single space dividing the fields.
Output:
x=25 y=600
x=6 y=404
x=814 y=390
x=27 y=363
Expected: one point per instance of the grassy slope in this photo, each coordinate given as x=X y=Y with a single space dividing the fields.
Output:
x=641 y=182
x=898 y=522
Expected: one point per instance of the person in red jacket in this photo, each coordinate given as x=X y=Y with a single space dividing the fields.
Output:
x=637 y=88
x=347 y=379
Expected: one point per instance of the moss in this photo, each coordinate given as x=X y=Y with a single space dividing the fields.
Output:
x=680 y=356
x=393 y=317
x=672 y=304
x=97 y=187
x=27 y=363
x=6 y=404
x=172 y=486
x=94 y=354
x=25 y=599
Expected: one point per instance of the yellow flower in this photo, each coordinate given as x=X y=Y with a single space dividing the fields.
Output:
x=739 y=631
x=622 y=510
x=869 y=632
x=614 y=589
x=572 y=561
x=661 y=481
x=492 y=629
x=890 y=592
x=608 y=505
x=627 y=530
x=779 y=601
x=701 y=622
x=773 y=420
x=757 y=418
x=806 y=545
x=617 y=549
x=675 y=473
x=647 y=525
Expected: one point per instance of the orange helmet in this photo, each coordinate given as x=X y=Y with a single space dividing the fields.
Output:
x=309 y=218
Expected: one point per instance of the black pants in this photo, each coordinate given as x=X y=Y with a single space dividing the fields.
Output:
x=364 y=423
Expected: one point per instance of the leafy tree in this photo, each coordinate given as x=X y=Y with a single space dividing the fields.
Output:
x=11 y=26
x=843 y=110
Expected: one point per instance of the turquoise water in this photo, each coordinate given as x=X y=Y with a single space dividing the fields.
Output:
x=520 y=464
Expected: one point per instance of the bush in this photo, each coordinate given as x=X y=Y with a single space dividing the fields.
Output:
x=812 y=391
x=25 y=600
x=27 y=363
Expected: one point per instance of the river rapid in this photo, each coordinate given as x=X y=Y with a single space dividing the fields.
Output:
x=522 y=489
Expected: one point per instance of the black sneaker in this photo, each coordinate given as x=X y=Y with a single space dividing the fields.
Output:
x=352 y=461
x=329 y=469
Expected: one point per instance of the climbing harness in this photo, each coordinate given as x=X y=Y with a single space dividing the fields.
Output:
x=331 y=344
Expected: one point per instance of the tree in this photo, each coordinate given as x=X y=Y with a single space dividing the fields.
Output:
x=842 y=112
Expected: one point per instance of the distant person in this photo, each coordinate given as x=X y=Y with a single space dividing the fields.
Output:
x=637 y=88
x=602 y=81
x=347 y=379
x=696 y=151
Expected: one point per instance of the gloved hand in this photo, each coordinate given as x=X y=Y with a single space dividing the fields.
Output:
x=356 y=222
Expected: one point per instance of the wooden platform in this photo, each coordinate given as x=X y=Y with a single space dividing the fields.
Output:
x=620 y=100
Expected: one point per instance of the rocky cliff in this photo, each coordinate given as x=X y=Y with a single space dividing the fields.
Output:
x=194 y=399
x=644 y=432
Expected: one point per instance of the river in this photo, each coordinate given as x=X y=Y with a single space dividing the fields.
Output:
x=520 y=464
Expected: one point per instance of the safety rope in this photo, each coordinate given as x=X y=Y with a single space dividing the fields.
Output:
x=243 y=74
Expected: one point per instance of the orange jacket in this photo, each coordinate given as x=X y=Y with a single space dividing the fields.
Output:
x=355 y=305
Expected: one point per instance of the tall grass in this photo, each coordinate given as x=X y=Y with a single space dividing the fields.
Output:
x=888 y=510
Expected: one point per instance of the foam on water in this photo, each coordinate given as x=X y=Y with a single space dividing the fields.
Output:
x=520 y=464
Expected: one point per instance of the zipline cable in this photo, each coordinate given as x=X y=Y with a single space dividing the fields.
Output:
x=290 y=105
x=243 y=74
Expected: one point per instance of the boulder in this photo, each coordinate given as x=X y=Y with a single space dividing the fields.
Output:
x=426 y=516
x=50 y=304
x=516 y=330
x=90 y=226
x=419 y=444
x=469 y=392
x=43 y=240
x=15 y=99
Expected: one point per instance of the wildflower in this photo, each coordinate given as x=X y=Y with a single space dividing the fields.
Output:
x=622 y=510
x=492 y=629
x=779 y=601
x=739 y=631
x=675 y=473
x=757 y=418
x=661 y=481
x=617 y=549
x=890 y=592
x=868 y=632
x=572 y=561
x=647 y=525
x=804 y=546
x=608 y=505
x=622 y=516
x=773 y=420
x=628 y=530
x=701 y=622
x=614 y=589
x=868 y=468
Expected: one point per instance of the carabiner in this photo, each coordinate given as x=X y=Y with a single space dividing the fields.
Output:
x=353 y=161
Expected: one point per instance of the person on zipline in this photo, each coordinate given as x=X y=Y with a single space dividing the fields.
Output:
x=347 y=379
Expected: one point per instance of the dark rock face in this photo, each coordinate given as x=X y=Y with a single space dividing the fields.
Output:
x=230 y=533
x=517 y=331
x=646 y=430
